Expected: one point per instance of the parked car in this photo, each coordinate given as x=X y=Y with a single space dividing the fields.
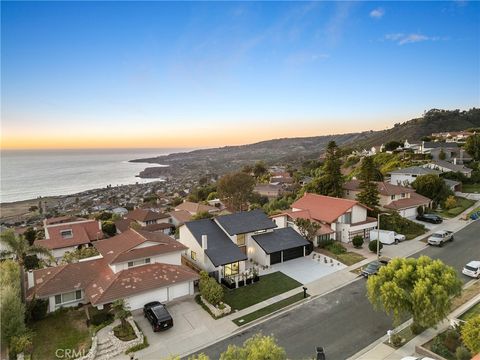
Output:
x=438 y=238
x=431 y=218
x=472 y=269
x=158 y=316
x=373 y=267
x=387 y=237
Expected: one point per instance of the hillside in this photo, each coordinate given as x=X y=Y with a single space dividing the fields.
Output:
x=296 y=150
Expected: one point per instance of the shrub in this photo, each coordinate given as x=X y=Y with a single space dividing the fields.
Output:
x=139 y=346
x=396 y=340
x=471 y=334
x=450 y=202
x=336 y=248
x=416 y=329
x=372 y=246
x=462 y=353
x=452 y=339
x=439 y=348
x=101 y=317
x=324 y=243
x=210 y=289
x=420 y=210
x=36 y=310
x=357 y=241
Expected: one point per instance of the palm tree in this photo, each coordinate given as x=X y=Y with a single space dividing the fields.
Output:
x=121 y=311
x=19 y=248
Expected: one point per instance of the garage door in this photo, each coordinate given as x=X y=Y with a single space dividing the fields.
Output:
x=409 y=213
x=137 y=301
x=275 y=257
x=179 y=290
x=292 y=253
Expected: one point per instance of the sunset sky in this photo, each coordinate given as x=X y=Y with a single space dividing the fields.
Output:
x=154 y=74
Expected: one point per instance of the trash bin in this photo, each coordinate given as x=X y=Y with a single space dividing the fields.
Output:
x=320 y=353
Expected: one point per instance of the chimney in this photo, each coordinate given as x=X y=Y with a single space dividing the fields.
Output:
x=204 y=242
x=30 y=281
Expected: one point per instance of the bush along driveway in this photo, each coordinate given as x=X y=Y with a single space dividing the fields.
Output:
x=269 y=286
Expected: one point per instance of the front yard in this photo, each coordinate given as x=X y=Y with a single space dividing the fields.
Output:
x=462 y=205
x=269 y=286
x=65 y=329
x=471 y=188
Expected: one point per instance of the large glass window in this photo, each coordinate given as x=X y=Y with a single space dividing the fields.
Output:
x=241 y=239
x=68 y=297
x=231 y=269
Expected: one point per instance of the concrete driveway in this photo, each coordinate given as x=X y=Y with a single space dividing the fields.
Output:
x=307 y=269
x=193 y=327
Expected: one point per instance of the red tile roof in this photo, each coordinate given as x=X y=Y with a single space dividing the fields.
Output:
x=384 y=188
x=121 y=247
x=109 y=286
x=61 y=219
x=195 y=208
x=182 y=216
x=145 y=215
x=83 y=232
x=324 y=208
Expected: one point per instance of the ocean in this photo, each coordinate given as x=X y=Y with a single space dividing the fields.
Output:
x=28 y=174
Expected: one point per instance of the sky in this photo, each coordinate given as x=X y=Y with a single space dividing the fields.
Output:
x=200 y=74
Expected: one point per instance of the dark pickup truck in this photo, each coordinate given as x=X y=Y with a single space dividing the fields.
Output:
x=158 y=315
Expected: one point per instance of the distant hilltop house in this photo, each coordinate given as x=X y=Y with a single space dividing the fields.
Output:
x=453 y=136
x=195 y=208
x=450 y=151
x=405 y=201
x=405 y=176
x=223 y=245
x=67 y=234
x=269 y=190
x=137 y=266
x=445 y=166
x=340 y=219
x=147 y=220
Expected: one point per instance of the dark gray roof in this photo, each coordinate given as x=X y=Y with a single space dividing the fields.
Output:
x=245 y=222
x=451 y=183
x=439 y=144
x=279 y=239
x=416 y=170
x=451 y=166
x=220 y=249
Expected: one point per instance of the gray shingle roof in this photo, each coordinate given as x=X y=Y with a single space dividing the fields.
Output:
x=451 y=166
x=245 y=222
x=220 y=249
x=415 y=170
x=439 y=144
x=280 y=239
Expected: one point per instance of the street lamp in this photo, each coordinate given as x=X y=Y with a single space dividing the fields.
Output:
x=378 y=233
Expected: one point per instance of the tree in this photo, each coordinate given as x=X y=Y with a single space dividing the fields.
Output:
x=420 y=287
x=31 y=235
x=121 y=311
x=109 y=228
x=393 y=145
x=471 y=334
x=259 y=169
x=258 y=347
x=210 y=289
x=472 y=146
x=330 y=181
x=369 y=170
x=442 y=155
x=307 y=228
x=12 y=312
x=202 y=215
x=19 y=248
x=235 y=189
x=432 y=187
x=82 y=253
x=357 y=241
x=450 y=202
x=372 y=245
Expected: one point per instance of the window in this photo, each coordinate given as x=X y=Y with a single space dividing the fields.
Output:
x=138 y=262
x=392 y=197
x=130 y=264
x=231 y=269
x=347 y=218
x=68 y=297
x=404 y=195
x=147 y=261
x=66 y=234
x=193 y=255
x=241 y=239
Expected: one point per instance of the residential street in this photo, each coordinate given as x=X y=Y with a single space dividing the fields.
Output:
x=343 y=321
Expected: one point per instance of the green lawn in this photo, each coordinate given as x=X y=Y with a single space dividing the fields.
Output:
x=269 y=286
x=462 y=205
x=348 y=258
x=66 y=329
x=471 y=188
x=269 y=309
x=473 y=311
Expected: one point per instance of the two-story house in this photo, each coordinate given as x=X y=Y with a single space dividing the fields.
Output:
x=340 y=219
x=403 y=200
x=137 y=266
x=68 y=234
x=222 y=245
x=146 y=219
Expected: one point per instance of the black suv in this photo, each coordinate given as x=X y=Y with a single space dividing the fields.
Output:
x=373 y=267
x=158 y=315
x=431 y=218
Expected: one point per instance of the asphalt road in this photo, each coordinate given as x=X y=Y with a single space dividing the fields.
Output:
x=343 y=321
